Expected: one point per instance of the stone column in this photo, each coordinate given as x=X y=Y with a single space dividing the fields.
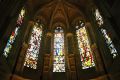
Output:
x=48 y=40
x=28 y=31
x=20 y=63
x=47 y=60
x=72 y=74
x=70 y=45
x=96 y=53
x=97 y=58
x=25 y=45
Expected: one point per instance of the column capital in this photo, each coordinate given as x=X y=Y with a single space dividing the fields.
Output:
x=31 y=22
x=69 y=34
x=49 y=34
x=25 y=44
x=87 y=24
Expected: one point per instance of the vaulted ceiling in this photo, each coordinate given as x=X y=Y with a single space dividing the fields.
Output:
x=57 y=12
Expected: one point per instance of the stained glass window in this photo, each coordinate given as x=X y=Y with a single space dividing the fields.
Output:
x=84 y=48
x=109 y=43
x=99 y=18
x=59 y=56
x=108 y=40
x=14 y=33
x=34 y=46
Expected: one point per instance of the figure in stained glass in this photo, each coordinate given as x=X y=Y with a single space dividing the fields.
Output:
x=33 y=50
x=84 y=48
x=59 y=57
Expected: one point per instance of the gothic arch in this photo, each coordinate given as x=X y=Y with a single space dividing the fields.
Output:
x=58 y=24
x=40 y=20
x=76 y=19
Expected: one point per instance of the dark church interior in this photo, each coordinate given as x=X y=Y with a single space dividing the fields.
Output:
x=59 y=39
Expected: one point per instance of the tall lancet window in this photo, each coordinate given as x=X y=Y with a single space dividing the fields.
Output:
x=14 y=33
x=84 y=47
x=34 y=47
x=108 y=40
x=59 y=55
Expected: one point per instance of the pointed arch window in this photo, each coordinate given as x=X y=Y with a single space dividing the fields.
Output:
x=34 y=46
x=84 y=47
x=59 y=55
x=14 y=33
x=99 y=18
x=108 y=40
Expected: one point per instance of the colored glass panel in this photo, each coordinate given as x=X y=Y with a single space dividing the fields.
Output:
x=84 y=48
x=109 y=43
x=14 y=34
x=99 y=18
x=34 y=46
x=59 y=57
x=108 y=40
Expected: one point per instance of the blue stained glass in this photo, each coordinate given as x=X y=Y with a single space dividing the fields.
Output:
x=59 y=57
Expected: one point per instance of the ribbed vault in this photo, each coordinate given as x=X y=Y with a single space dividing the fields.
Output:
x=58 y=12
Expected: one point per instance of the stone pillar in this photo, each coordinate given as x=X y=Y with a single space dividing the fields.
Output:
x=46 y=67
x=70 y=45
x=72 y=74
x=71 y=68
x=47 y=58
x=91 y=32
x=96 y=53
x=76 y=56
x=22 y=55
x=48 y=40
x=97 y=58
x=28 y=31
x=20 y=63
